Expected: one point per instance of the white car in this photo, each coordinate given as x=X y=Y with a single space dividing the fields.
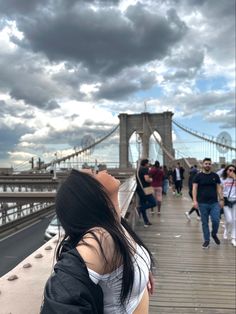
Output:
x=53 y=228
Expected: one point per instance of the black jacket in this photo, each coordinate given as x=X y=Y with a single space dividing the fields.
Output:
x=181 y=170
x=69 y=290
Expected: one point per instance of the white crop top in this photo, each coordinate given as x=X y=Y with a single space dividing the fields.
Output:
x=111 y=284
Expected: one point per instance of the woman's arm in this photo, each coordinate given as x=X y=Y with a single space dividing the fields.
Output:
x=147 y=178
x=194 y=192
x=150 y=285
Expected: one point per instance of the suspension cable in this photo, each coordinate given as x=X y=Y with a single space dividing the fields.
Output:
x=80 y=151
x=159 y=142
x=203 y=137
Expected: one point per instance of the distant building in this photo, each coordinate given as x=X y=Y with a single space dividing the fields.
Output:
x=222 y=160
x=6 y=171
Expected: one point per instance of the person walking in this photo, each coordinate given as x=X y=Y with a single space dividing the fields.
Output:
x=192 y=173
x=146 y=199
x=178 y=177
x=221 y=170
x=206 y=191
x=157 y=175
x=165 y=185
x=102 y=265
x=171 y=181
x=228 y=182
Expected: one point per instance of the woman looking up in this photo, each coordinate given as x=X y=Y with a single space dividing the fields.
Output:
x=102 y=265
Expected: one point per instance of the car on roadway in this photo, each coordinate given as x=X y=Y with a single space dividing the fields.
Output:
x=53 y=228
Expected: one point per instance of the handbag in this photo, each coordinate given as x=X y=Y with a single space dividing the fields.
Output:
x=228 y=203
x=148 y=190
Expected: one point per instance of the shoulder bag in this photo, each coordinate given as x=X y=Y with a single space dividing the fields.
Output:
x=228 y=203
x=147 y=190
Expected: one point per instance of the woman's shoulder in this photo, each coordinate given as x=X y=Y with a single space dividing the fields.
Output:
x=96 y=248
x=226 y=180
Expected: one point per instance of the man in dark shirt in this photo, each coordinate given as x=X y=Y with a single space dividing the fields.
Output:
x=143 y=181
x=206 y=190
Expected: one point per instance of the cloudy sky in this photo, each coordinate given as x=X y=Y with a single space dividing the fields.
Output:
x=68 y=68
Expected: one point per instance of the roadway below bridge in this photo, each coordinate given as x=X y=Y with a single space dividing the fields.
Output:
x=18 y=246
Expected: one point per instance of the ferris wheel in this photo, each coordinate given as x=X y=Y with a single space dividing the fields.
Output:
x=223 y=138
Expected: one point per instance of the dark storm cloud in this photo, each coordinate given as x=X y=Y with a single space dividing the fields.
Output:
x=218 y=22
x=186 y=59
x=105 y=40
x=125 y=84
x=71 y=77
x=25 y=80
x=16 y=7
x=37 y=97
x=93 y=44
x=9 y=137
x=10 y=108
x=12 y=7
x=201 y=103
x=183 y=64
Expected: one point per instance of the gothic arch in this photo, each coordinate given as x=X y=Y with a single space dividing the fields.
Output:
x=139 y=123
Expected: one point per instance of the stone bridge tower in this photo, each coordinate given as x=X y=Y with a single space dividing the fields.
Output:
x=139 y=123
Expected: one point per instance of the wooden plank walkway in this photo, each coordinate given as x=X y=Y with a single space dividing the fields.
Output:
x=189 y=279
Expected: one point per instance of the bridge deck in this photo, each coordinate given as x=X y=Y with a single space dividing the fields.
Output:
x=189 y=279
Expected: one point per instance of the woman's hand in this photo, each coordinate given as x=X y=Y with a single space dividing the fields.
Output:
x=150 y=284
x=221 y=202
x=195 y=204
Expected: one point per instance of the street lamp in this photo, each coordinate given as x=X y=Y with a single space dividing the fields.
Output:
x=54 y=167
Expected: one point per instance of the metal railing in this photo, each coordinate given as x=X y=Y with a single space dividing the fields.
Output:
x=15 y=212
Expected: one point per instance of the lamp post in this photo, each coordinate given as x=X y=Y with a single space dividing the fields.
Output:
x=54 y=167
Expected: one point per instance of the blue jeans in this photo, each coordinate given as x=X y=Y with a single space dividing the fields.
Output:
x=146 y=201
x=212 y=210
x=165 y=186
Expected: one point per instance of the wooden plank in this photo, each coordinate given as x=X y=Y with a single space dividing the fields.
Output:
x=188 y=278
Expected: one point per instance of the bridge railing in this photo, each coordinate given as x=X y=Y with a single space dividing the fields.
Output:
x=16 y=212
x=21 y=289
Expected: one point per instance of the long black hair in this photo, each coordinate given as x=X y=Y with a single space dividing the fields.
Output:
x=82 y=204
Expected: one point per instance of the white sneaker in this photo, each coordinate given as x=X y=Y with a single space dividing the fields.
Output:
x=233 y=241
x=198 y=218
x=225 y=235
x=187 y=215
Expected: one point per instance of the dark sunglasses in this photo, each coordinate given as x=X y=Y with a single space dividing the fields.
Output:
x=230 y=170
x=207 y=164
